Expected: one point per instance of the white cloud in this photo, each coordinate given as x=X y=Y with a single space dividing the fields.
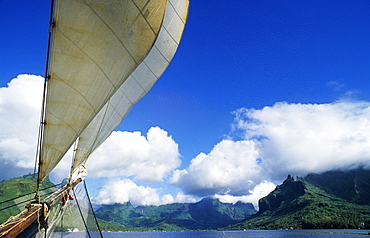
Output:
x=20 y=104
x=303 y=138
x=277 y=140
x=117 y=190
x=149 y=158
x=184 y=198
x=180 y=198
x=282 y=139
x=259 y=191
x=230 y=168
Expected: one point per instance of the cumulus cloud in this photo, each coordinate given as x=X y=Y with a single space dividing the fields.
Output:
x=282 y=139
x=285 y=138
x=259 y=191
x=20 y=105
x=304 y=138
x=232 y=167
x=118 y=190
x=148 y=159
x=20 y=108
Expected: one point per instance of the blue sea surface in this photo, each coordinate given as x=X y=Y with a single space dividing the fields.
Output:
x=239 y=234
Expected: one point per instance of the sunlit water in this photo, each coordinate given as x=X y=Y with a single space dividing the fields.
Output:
x=235 y=234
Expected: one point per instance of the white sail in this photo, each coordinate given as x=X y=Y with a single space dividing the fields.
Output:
x=138 y=84
x=104 y=57
x=96 y=45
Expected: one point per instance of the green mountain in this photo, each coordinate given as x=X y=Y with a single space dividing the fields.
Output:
x=15 y=193
x=332 y=200
x=206 y=214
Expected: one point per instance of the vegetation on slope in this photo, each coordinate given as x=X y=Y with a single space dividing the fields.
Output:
x=313 y=203
x=12 y=199
x=206 y=214
x=332 y=200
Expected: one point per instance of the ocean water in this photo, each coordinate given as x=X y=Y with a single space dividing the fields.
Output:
x=239 y=234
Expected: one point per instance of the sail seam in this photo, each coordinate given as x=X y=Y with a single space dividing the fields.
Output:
x=177 y=13
x=96 y=135
x=95 y=63
x=141 y=12
x=105 y=23
x=68 y=125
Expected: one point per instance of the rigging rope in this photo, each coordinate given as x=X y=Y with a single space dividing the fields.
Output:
x=11 y=199
x=92 y=209
x=19 y=203
x=79 y=209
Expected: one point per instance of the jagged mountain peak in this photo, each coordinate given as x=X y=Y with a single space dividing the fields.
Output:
x=289 y=190
x=331 y=200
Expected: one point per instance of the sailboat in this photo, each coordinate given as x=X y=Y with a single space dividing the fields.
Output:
x=102 y=58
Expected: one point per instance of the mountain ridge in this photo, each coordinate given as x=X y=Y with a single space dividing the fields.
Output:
x=206 y=214
x=331 y=200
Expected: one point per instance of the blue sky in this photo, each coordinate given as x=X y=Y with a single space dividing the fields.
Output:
x=244 y=70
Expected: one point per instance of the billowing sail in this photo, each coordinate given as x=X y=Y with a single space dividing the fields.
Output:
x=138 y=84
x=96 y=46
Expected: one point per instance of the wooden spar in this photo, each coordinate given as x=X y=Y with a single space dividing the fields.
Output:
x=32 y=213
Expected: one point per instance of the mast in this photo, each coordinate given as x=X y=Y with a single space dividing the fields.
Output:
x=42 y=116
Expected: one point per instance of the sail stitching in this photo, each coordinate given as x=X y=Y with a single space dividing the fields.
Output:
x=177 y=12
x=95 y=63
x=168 y=61
x=114 y=108
x=115 y=87
x=145 y=16
x=105 y=23
x=165 y=26
x=97 y=133
x=177 y=44
x=103 y=123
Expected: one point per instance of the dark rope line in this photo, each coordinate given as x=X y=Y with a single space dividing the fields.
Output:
x=92 y=209
x=28 y=194
x=1 y=209
x=79 y=209
x=22 y=202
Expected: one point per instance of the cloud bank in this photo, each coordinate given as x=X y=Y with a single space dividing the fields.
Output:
x=283 y=139
x=304 y=138
x=147 y=158
x=267 y=144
